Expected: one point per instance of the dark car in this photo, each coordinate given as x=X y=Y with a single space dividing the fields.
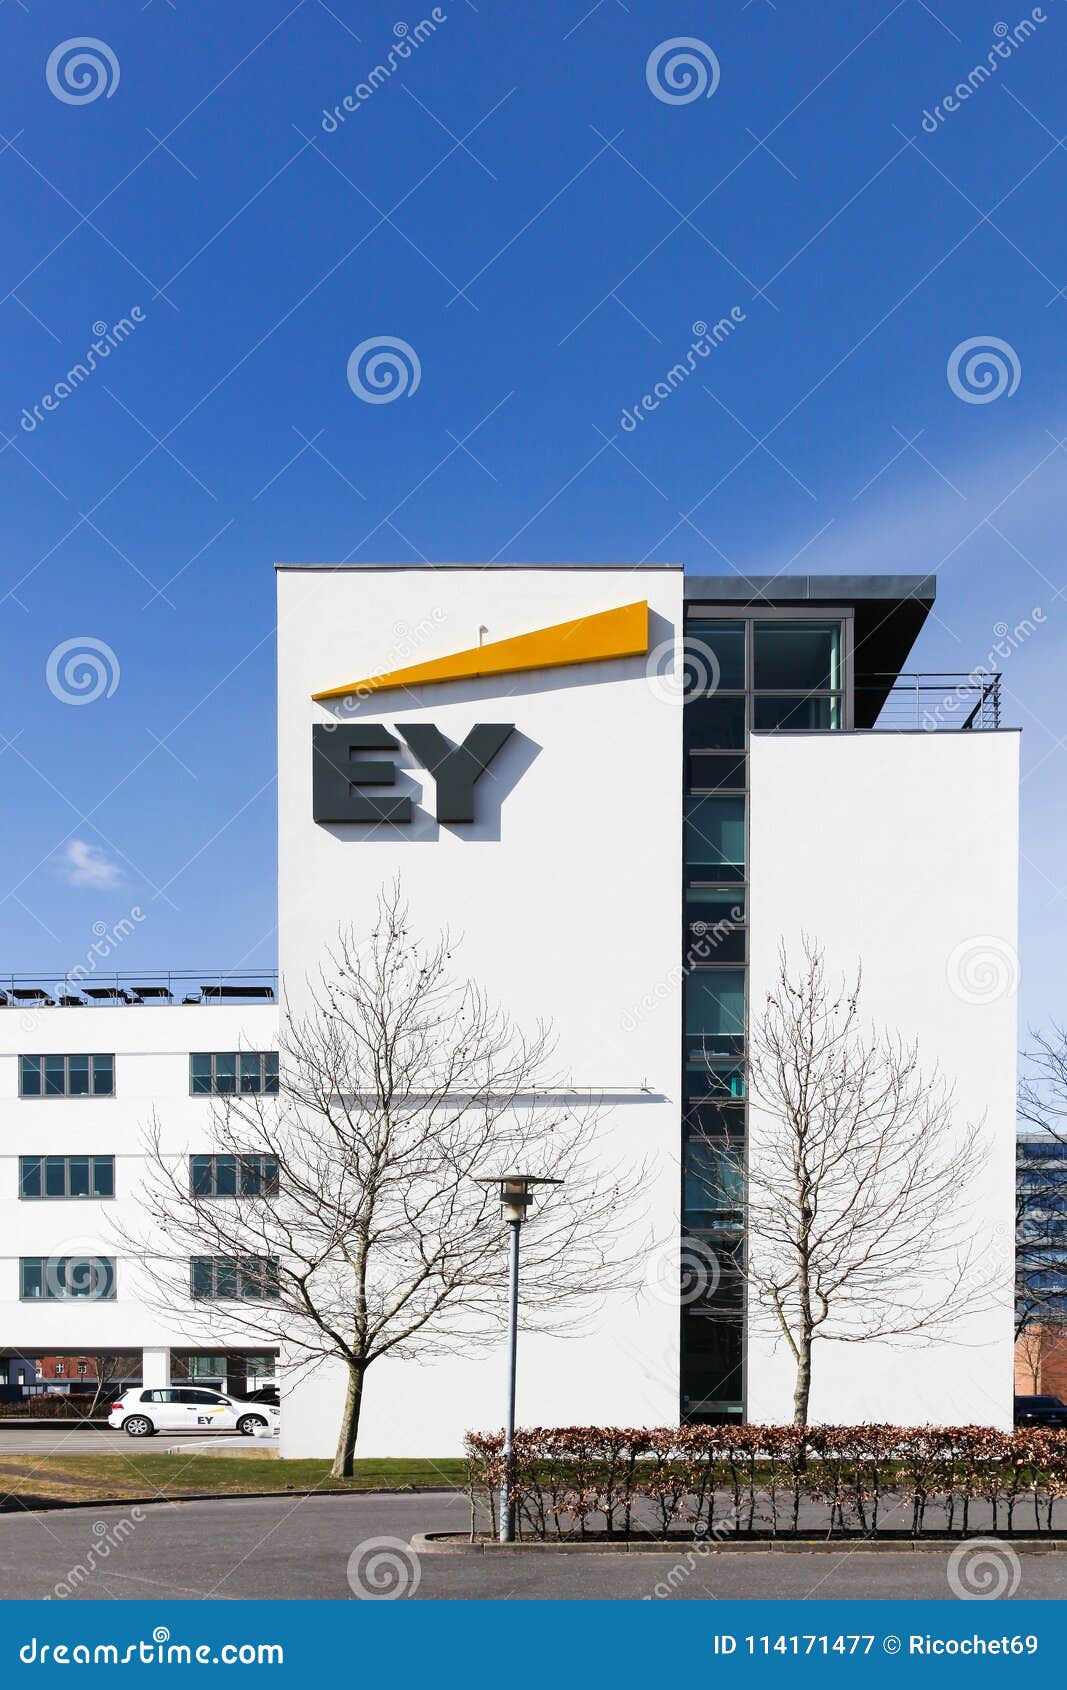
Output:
x=269 y=1394
x=1040 y=1411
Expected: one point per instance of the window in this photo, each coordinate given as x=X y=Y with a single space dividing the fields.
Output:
x=715 y=924
x=58 y=1278
x=66 y=1076
x=710 y=770
x=797 y=715
x=165 y=1395
x=715 y=653
x=798 y=656
x=251 y=1279
x=188 y=1394
x=233 y=1176
x=714 y=724
x=66 y=1176
x=714 y=1012
x=61 y=1369
x=82 y=1369
x=714 y=1184
x=715 y=837
x=233 y=1071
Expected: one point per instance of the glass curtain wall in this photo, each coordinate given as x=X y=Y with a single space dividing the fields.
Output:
x=772 y=672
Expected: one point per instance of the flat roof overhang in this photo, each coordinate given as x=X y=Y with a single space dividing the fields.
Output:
x=888 y=613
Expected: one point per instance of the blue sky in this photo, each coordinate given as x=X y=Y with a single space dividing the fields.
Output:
x=543 y=230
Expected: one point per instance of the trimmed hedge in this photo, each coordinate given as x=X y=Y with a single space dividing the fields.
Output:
x=53 y=1405
x=718 y=1481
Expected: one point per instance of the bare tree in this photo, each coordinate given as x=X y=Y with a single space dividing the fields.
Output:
x=855 y=1178
x=109 y=1370
x=362 y=1229
x=1041 y=1187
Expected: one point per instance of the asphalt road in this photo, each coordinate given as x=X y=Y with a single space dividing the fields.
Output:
x=82 y=1440
x=302 y=1549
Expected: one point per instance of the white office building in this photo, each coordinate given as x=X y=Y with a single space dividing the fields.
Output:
x=680 y=752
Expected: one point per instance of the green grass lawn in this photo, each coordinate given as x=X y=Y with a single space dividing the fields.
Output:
x=98 y=1478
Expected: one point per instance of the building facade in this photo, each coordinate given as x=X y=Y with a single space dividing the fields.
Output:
x=663 y=781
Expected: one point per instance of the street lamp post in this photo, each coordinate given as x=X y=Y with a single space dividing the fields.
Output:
x=515 y=1198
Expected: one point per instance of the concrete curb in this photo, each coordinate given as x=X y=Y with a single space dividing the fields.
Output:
x=450 y=1543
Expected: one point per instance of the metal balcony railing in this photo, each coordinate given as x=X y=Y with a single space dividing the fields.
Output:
x=934 y=702
x=84 y=986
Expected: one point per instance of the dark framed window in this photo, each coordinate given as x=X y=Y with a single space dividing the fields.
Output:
x=233 y=1176
x=710 y=771
x=252 y=1279
x=215 y=1072
x=714 y=1185
x=714 y=723
x=66 y=1176
x=715 y=836
x=714 y=1013
x=786 y=713
x=797 y=656
x=714 y=657
x=66 y=1076
x=62 y=1278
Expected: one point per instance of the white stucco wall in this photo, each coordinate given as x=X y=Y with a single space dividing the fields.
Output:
x=902 y=850
x=567 y=894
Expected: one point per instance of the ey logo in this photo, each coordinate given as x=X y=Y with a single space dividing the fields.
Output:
x=347 y=784
x=345 y=776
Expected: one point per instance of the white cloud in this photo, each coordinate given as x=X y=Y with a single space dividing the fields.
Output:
x=83 y=864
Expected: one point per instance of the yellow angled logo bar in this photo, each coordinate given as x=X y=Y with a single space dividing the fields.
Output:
x=587 y=639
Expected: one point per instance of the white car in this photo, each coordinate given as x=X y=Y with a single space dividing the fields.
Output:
x=189 y=1408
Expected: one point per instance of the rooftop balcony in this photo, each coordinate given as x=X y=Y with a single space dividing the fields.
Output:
x=85 y=988
x=929 y=702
